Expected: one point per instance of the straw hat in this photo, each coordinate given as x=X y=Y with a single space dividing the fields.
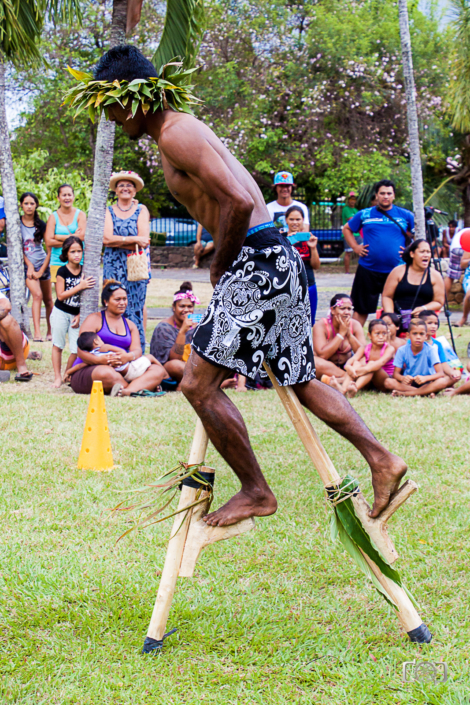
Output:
x=126 y=176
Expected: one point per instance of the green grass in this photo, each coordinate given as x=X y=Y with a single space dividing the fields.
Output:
x=278 y=616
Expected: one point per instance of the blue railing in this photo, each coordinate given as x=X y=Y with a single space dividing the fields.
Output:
x=179 y=231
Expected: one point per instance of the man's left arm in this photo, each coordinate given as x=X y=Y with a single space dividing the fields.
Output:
x=192 y=154
x=2 y=225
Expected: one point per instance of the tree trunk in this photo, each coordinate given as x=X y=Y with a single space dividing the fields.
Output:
x=412 y=113
x=19 y=308
x=104 y=151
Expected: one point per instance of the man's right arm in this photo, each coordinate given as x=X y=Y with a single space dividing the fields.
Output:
x=191 y=153
x=2 y=225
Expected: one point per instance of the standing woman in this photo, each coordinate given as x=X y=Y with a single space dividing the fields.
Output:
x=63 y=223
x=307 y=250
x=36 y=261
x=127 y=224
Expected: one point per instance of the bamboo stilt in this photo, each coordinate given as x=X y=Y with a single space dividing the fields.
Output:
x=189 y=536
x=376 y=528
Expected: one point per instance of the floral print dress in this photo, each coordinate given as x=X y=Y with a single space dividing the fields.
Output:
x=115 y=267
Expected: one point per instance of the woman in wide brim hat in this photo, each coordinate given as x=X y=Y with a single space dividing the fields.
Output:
x=127 y=224
x=125 y=176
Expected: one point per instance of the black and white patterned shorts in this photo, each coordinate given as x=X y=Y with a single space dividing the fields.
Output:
x=260 y=311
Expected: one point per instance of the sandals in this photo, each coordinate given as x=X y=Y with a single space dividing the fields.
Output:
x=115 y=391
x=38 y=340
x=147 y=393
x=24 y=377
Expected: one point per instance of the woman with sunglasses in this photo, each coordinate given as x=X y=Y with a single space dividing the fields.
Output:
x=113 y=328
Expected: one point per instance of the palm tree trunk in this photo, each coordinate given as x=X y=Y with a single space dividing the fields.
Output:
x=104 y=152
x=412 y=113
x=19 y=308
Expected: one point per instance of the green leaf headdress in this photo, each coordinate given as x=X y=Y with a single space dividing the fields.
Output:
x=171 y=88
x=172 y=91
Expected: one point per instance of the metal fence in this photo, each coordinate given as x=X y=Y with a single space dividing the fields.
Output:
x=325 y=223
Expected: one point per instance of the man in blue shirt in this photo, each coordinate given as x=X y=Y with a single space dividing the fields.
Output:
x=2 y=215
x=385 y=229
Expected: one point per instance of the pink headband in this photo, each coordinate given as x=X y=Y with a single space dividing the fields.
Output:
x=340 y=302
x=186 y=295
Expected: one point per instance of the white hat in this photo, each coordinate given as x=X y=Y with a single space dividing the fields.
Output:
x=126 y=176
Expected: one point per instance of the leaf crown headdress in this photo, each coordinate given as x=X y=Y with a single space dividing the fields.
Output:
x=172 y=91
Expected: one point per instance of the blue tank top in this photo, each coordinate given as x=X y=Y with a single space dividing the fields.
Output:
x=61 y=229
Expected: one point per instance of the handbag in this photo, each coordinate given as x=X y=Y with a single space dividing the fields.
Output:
x=137 y=266
x=408 y=239
x=405 y=314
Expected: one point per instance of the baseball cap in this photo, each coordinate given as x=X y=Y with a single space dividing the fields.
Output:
x=351 y=193
x=284 y=177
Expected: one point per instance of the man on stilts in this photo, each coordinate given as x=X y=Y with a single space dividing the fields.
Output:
x=259 y=311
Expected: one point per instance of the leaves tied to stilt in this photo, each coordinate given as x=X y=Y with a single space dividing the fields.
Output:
x=154 y=499
x=346 y=527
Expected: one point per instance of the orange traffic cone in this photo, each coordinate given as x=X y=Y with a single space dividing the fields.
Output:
x=95 y=453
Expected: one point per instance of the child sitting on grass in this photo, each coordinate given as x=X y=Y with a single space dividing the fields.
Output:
x=393 y=322
x=91 y=342
x=418 y=371
x=374 y=362
x=463 y=389
x=432 y=322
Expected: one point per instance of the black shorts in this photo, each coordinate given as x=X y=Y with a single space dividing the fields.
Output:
x=260 y=310
x=366 y=289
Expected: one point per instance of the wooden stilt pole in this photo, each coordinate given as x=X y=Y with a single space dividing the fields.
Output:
x=376 y=528
x=189 y=535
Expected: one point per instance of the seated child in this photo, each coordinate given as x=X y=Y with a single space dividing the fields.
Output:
x=91 y=342
x=432 y=322
x=393 y=322
x=463 y=389
x=418 y=371
x=374 y=362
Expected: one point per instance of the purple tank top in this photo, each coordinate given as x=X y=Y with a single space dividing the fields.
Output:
x=110 y=338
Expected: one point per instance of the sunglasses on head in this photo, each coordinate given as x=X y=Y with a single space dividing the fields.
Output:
x=115 y=287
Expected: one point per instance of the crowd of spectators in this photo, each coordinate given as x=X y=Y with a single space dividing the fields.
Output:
x=402 y=356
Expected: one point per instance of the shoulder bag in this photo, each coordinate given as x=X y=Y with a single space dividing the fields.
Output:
x=408 y=238
x=137 y=265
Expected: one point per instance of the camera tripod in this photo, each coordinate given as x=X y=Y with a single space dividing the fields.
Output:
x=432 y=233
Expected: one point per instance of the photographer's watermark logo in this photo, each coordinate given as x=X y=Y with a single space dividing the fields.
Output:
x=424 y=672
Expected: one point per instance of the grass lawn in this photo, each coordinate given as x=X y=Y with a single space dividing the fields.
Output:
x=279 y=615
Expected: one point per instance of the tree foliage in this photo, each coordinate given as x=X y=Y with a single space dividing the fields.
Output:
x=313 y=86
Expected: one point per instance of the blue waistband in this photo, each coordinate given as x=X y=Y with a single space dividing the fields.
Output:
x=254 y=230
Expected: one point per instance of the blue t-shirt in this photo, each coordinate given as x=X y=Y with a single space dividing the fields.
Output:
x=383 y=236
x=420 y=364
x=440 y=350
x=2 y=208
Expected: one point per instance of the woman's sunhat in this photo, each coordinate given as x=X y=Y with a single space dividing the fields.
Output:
x=126 y=176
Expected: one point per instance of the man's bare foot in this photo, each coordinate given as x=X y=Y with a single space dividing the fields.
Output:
x=57 y=383
x=462 y=322
x=351 y=390
x=386 y=478
x=242 y=506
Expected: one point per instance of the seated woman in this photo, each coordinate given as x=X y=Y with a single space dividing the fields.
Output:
x=335 y=340
x=414 y=286
x=113 y=329
x=171 y=336
x=306 y=246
